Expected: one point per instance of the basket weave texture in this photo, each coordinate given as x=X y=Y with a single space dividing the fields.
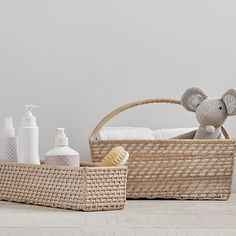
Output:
x=82 y=188
x=172 y=168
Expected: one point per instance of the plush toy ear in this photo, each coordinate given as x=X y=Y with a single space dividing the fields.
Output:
x=192 y=98
x=229 y=99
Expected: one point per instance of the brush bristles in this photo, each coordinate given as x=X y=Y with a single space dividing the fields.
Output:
x=114 y=157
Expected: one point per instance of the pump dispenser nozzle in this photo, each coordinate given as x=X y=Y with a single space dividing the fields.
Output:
x=61 y=139
x=9 y=130
x=29 y=120
x=29 y=108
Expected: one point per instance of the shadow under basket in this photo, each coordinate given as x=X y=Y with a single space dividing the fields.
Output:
x=172 y=168
x=86 y=188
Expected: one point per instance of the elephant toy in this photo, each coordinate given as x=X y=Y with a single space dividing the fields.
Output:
x=211 y=113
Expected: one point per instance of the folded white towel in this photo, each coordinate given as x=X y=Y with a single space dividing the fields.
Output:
x=108 y=133
x=170 y=133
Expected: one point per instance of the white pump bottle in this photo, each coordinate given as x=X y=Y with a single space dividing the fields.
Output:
x=9 y=142
x=62 y=154
x=29 y=138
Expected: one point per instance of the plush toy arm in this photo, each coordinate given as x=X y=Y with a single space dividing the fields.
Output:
x=189 y=135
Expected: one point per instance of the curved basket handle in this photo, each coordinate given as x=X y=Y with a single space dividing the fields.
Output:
x=115 y=112
x=108 y=117
x=112 y=114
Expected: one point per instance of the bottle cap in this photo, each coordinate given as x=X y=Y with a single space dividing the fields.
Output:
x=61 y=139
x=9 y=130
x=29 y=120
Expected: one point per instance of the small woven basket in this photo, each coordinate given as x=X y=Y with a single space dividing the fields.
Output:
x=172 y=168
x=88 y=188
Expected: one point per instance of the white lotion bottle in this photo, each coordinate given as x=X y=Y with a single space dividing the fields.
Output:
x=9 y=150
x=29 y=138
x=62 y=154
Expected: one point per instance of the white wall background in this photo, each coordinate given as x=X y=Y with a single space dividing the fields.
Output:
x=78 y=60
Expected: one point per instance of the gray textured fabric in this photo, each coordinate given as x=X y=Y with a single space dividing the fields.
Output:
x=229 y=99
x=188 y=135
x=210 y=113
x=192 y=98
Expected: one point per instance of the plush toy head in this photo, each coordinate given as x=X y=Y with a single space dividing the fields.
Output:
x=210 y=113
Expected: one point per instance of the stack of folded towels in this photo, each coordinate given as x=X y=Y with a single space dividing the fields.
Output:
x=108 y=133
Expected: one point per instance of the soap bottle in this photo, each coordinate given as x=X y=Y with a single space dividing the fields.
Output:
x=62 y=154
x=29 y=138
x=9 y=143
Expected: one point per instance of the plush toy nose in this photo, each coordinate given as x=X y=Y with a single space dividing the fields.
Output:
x=210 y=129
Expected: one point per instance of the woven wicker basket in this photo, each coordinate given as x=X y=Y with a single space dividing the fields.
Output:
x=172 y=168
x=79 y=188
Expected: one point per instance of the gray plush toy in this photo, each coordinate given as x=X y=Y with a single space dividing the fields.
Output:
x=210 y=113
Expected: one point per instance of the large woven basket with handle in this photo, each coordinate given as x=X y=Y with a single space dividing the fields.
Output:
x=87 y=188
x=172 y=168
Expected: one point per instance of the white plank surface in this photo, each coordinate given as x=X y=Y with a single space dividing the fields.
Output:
x=140 y=217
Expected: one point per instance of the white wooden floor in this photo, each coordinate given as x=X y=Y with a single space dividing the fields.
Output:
x=145 y=217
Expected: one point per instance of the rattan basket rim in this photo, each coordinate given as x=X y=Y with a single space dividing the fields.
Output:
x=174 y=141
x=87 y=166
